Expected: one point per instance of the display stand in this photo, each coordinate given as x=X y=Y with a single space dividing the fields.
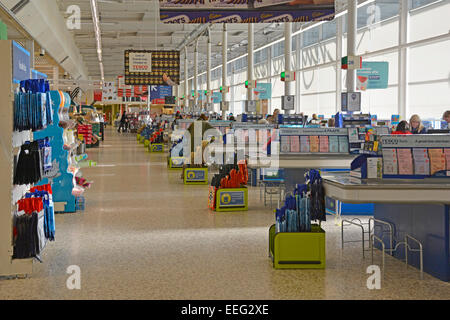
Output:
x=298 y=250
x=9 y=194
x=175 y=163
x=232 y=199
x=156 y=147
x=194 y=176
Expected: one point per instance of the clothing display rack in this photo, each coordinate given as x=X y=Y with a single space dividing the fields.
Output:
x=10 y=143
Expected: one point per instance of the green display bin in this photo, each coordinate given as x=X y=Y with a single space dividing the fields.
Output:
x=138 y=137
x=233 y=199
x=141 y=139
x=146 y=143
x=175 y=163
x=192 y=176
x=297 y=250
x=156 y=147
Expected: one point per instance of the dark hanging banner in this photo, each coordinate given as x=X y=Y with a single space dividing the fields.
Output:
x=245 y=11
x=149 y=67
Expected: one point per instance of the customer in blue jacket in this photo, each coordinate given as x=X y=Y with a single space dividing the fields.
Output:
x=415 y=123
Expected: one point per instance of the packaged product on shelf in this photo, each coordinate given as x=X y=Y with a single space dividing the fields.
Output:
x=422 y=167
x=437 y=160
x=374 y=168
x=324 y=146
x=333 y=143
x=285 y=144
x=304 y=144
x=314 y=144
x=295 y=144
x=343 y=144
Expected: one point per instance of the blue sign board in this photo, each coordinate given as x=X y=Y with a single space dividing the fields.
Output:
x=195 y=175
x=21 y=63
x=373 y=75
x=264 y=91
x=217 y=97
x=160 y=92
x=232 y=198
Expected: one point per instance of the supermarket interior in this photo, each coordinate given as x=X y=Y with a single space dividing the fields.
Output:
x=316 y=167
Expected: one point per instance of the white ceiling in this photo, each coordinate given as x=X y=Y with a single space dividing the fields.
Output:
x=128 y=24
x=135 y=24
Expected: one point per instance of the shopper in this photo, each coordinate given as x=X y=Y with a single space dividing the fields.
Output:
x=315 y=120
x=402 y=128
x=331 y=123
x=416 y=125
x=274 y=118
x=123 y=122
x=446 y=118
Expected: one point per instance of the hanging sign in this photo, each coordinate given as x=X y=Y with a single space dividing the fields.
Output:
x=164 y=68
x=245 y=11
x=217 y=97
x=98 y=95
x=373 y=75
x=21 y=63
x=263 y=91
x=109 y=91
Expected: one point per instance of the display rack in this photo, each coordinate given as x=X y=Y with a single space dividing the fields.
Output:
x=9 y=194
x=63 y=145
x=320 y=141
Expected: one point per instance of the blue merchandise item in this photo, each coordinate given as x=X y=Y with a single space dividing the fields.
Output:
x=63 y=184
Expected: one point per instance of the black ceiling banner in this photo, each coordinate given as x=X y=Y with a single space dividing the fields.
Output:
x=245 y=11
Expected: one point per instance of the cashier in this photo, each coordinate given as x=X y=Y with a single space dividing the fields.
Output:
x=446 y=117
x=416 y=125
x=274 y=118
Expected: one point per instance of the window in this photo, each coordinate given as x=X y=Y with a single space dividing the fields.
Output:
x=261 y=55
x=328 y=30
x=278 y=49
x=414 y=4
x=311 y=36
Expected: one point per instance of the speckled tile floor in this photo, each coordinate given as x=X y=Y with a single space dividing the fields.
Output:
x=144 y=235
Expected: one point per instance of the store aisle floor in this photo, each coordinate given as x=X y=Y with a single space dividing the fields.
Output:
x=144 y=235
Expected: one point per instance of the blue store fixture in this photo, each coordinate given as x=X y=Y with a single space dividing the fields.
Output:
x=63 y=184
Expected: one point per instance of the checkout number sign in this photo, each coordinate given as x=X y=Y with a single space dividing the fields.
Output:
x=232 y=199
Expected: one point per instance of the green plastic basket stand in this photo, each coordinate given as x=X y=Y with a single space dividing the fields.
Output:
x=297 y=250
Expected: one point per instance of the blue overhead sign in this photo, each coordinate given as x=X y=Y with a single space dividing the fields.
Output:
x=160 y=92
x=21 y=63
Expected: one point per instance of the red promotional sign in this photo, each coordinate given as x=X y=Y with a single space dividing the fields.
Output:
x=98 y=95
x=159 y=101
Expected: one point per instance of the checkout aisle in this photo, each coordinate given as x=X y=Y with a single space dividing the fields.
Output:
x=145 y=235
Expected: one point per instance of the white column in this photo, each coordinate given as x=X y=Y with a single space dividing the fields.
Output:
x=196 y=72
x=250 y=59
x=287 y=58
x=224 y=65
x=403 y=57
x=298 y=83
x=351 y=42
x=339 y=33
x=186 y=88
x=208 y=67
